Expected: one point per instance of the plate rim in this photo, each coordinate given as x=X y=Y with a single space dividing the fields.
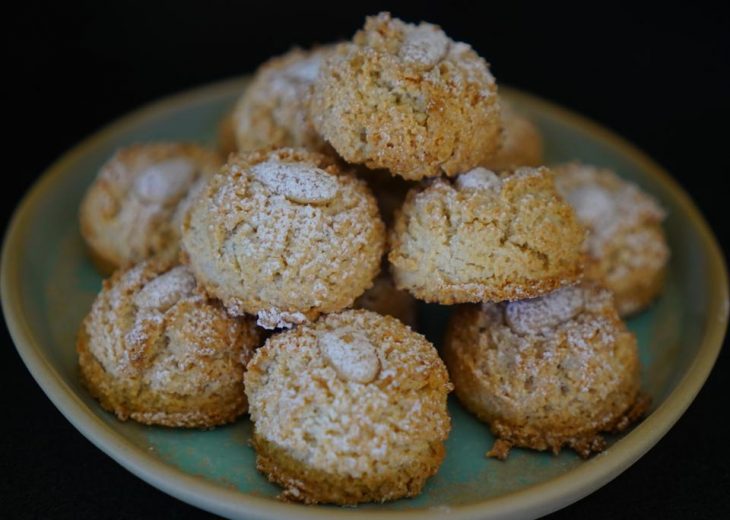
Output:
x=531 y=501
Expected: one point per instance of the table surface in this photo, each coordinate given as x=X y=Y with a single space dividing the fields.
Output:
x=659 y=78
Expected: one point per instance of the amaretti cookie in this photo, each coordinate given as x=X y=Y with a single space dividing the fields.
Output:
x=627 y=250
x=133 y=209
x=521 y=142
x=284 y=235
x=349 y=409
x=486 y=237
x=273 y=111
x=408 y=99
x=154 y=350
x=384 y=298
x=548 y=372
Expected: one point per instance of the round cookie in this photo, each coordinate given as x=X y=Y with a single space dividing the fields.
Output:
x=273 y=111
x=385 y=299
x=153 y=349
x=521 y=142
x=133 y=209
x=285 y=235
x=486 y=237
x=549 y=372
x=627 y=250
x=408 y=99
x=349 y=409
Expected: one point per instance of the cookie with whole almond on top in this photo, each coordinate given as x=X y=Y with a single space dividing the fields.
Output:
x=349 y=409
x=626 y=246
x=549 y=372
x=485 y=236
x=408 y=99
x=134 y=207
x=284 y=235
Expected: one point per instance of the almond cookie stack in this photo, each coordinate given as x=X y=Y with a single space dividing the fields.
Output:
x=363 y=176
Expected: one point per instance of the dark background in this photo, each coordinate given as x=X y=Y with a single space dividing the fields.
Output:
x=658 y=76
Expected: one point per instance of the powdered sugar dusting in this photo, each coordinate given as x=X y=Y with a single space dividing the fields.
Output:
x=525 y=172
x=271 y=319
x=164 y=291
x=306 y=69
x=592 y=204
x=536 y=314
x=300 y=401
x=291 y=83
x=479 y=179
x=297 y=182
x=606 y=204
x=564 y=353
x=351 y=354
x=424 y=44
x=165 y=182
x=150 y=329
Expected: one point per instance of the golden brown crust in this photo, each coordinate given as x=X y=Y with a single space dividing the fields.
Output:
x=584 y=444
x=545 y=381
x=133 y=209
x=626 y=246
x=273 y=111
x=633 y=266
x=147 y=407
x=351 y=408
x=521 y=142
x=284 y=247
x=302 y=483
x=408 y=99
x=154 y=351
x=486 y=237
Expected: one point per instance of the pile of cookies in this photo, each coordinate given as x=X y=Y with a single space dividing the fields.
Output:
x=363 y=176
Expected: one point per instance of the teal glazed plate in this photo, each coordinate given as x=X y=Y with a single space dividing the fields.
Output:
x=48 y=285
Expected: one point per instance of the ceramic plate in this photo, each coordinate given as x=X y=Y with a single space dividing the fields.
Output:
x=48 y=285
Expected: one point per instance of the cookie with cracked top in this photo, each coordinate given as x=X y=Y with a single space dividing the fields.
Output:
x=485 y=236
x=408 y=99
x=153 y=349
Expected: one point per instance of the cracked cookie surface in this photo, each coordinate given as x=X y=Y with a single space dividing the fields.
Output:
x=134 y=208
x=548 y=372
x=486 y=237
x=626 y=246
x=284 y=235
x=155 y=350
x=349 y=409
x=408 y=99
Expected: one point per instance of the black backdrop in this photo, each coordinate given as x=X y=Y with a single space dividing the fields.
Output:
x=658 y=76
